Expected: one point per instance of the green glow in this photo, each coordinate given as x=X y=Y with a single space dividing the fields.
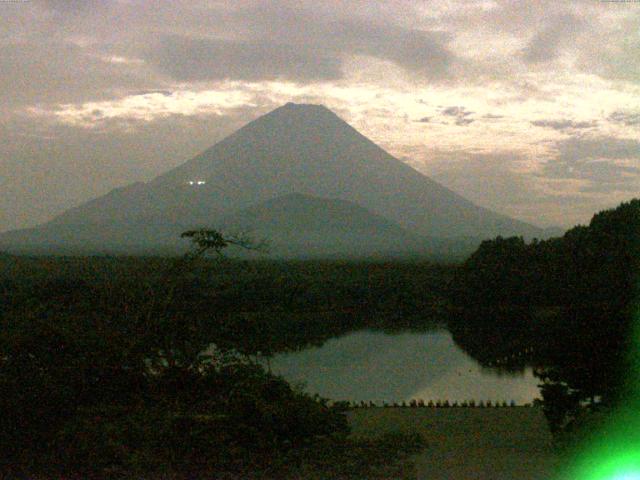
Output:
x=627 y=476
x=613 y=453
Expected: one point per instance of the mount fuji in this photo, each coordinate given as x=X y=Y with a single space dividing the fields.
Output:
x=297 y=152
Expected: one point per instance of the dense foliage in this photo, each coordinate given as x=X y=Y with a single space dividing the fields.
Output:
x=595 y=264
x=254 y=306
x=568 y=303
x=128 y=367
x=116 y=366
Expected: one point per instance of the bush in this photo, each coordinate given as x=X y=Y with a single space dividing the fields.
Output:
x=79 y=399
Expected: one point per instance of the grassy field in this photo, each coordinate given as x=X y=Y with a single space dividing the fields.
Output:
x=469 y=443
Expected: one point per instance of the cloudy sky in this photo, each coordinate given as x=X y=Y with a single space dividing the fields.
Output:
x=528 y=107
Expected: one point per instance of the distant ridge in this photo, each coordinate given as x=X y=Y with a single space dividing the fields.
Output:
x=304 y=149
x=299 y=225
x=295 y=212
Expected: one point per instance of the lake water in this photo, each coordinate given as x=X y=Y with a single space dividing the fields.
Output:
x=377 y=366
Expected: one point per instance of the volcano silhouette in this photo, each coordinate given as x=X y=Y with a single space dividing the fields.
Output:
x=295 y=149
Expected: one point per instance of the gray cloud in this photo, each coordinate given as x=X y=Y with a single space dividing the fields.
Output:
x=610 y=50
x=493 y=180
x=598 y=171
x=626 y=118
x=564 y=124
x=298 y=46
x=576 y=149
x=496 y=180
x=456 y=112
x=470 y=173
x=59 y=72
x=71 y=5
x=464 y=121
x=547 y=42
x=340 y=28
x=45 y=169
x=307 y=41
x=421 y=52
x=191 y=59
x=603 y=162
x=460 y=114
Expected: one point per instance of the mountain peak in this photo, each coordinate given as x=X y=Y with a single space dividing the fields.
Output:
x=302 y=110
x=302 y=148
x=296 y=127
x=303 y=106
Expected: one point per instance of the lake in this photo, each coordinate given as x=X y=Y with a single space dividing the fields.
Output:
x=377 y=366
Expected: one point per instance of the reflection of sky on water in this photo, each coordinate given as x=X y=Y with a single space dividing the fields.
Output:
x=378 y=366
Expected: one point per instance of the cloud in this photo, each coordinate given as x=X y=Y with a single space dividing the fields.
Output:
x=564 y=124
x=147 y=107
x=460 y=114
x=422 y=52
x=610 y=50
x=605 y=164
x=295 y=45
x=497 y=181
x=577 y=149
x=127 y=68
x=456 y=112
x=545 y=45
x=189 y=59
x=48 y=168
x=73 y=6
x=56 y=72
x=464 y=121
x=626 y=118
x=340 y=29
x=470 y=173
x=501 y=181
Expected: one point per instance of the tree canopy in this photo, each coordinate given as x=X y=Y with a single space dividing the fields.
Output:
x=577 y=296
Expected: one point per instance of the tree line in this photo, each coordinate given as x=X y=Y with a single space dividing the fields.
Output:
x=569 y=301
x=116 y=379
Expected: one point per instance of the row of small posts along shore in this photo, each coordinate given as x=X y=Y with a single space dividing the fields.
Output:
x=419 y=403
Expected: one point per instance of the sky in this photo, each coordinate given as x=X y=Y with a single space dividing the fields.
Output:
x=531 y=108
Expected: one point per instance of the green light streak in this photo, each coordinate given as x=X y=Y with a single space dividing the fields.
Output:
x=627 y=476
x=613 y=453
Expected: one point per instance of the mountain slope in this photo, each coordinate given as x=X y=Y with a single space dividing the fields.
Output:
x=295 y=148
x=300 y=225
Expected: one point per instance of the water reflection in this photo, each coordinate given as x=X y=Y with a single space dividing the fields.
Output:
x=377 y=366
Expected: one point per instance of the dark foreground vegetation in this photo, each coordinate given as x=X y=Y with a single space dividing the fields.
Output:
x=135 y=367
x=141 y=368
x=251 y=306
x=566 y=305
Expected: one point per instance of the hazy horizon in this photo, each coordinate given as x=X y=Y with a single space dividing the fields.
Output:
x=530 y=109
